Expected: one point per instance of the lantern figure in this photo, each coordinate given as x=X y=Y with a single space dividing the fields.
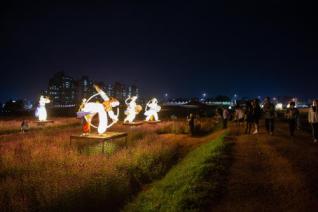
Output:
x=152 y=109
x=132 y=109
x=89 y=109
x=41 y=110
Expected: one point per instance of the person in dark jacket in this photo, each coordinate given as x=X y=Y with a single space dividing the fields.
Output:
x=226 y=117
x=292 y=115
x=256 y=115
x=191 y=123
x=248 y=117
x=269 y=114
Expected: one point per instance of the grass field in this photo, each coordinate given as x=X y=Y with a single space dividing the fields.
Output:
x=13 y=126
x=41 y=171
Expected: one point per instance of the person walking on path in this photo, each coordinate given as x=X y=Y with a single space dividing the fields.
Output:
x=219 y=115
x=269 y=114
x=256 y=115
x=248 y=117
x=226 y=117
x=239 y=115
x=292 y=115
x=313 y=120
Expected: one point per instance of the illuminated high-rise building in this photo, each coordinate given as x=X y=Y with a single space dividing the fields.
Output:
x=62 y=90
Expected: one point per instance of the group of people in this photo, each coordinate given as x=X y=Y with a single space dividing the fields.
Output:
x=252 y=113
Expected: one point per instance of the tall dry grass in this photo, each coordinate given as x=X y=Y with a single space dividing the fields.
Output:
x=12 y=126
x=40 y=171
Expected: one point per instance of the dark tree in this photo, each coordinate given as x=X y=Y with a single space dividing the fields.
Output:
x=222 y=98
x=13 y=106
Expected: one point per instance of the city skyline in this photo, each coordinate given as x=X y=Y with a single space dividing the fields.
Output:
x=164 y=95
x=68 y=91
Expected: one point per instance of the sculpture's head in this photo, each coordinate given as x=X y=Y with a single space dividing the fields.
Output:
x=154 y=101
x=44 y=100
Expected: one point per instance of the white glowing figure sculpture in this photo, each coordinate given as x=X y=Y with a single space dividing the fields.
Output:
x=132 y=109
x=41 y=110
x=152 y=111
x=89 y=109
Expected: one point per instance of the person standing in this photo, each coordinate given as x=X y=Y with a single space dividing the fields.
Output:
x=24 y=126
x=226 y=117
x=219 y=115
x=190 y=119
x=239 y=115
x=292 y=115
x=313 y=120
x=256 y=115
x=248 y=117
x=269 y=114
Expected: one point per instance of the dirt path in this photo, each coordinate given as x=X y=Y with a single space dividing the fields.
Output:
x=271 y=173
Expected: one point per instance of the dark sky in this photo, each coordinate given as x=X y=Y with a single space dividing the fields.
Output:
x=219 y=47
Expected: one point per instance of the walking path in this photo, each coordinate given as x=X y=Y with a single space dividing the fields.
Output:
x=272 y=173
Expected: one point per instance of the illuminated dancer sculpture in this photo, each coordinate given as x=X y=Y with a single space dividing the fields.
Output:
x=41 y=110
x=132 y=109
x=152 y=112
x=89 y=109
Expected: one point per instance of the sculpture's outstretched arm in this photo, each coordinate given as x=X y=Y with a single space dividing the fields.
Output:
x=126 y=101
x=113 y=116
x=101 y=93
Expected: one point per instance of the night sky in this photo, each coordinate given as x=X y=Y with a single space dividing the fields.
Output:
x=219 y=47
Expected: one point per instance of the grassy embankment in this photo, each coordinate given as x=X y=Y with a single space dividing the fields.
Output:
x=190 y=185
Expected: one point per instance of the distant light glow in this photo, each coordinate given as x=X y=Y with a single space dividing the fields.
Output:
x=279 y=106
